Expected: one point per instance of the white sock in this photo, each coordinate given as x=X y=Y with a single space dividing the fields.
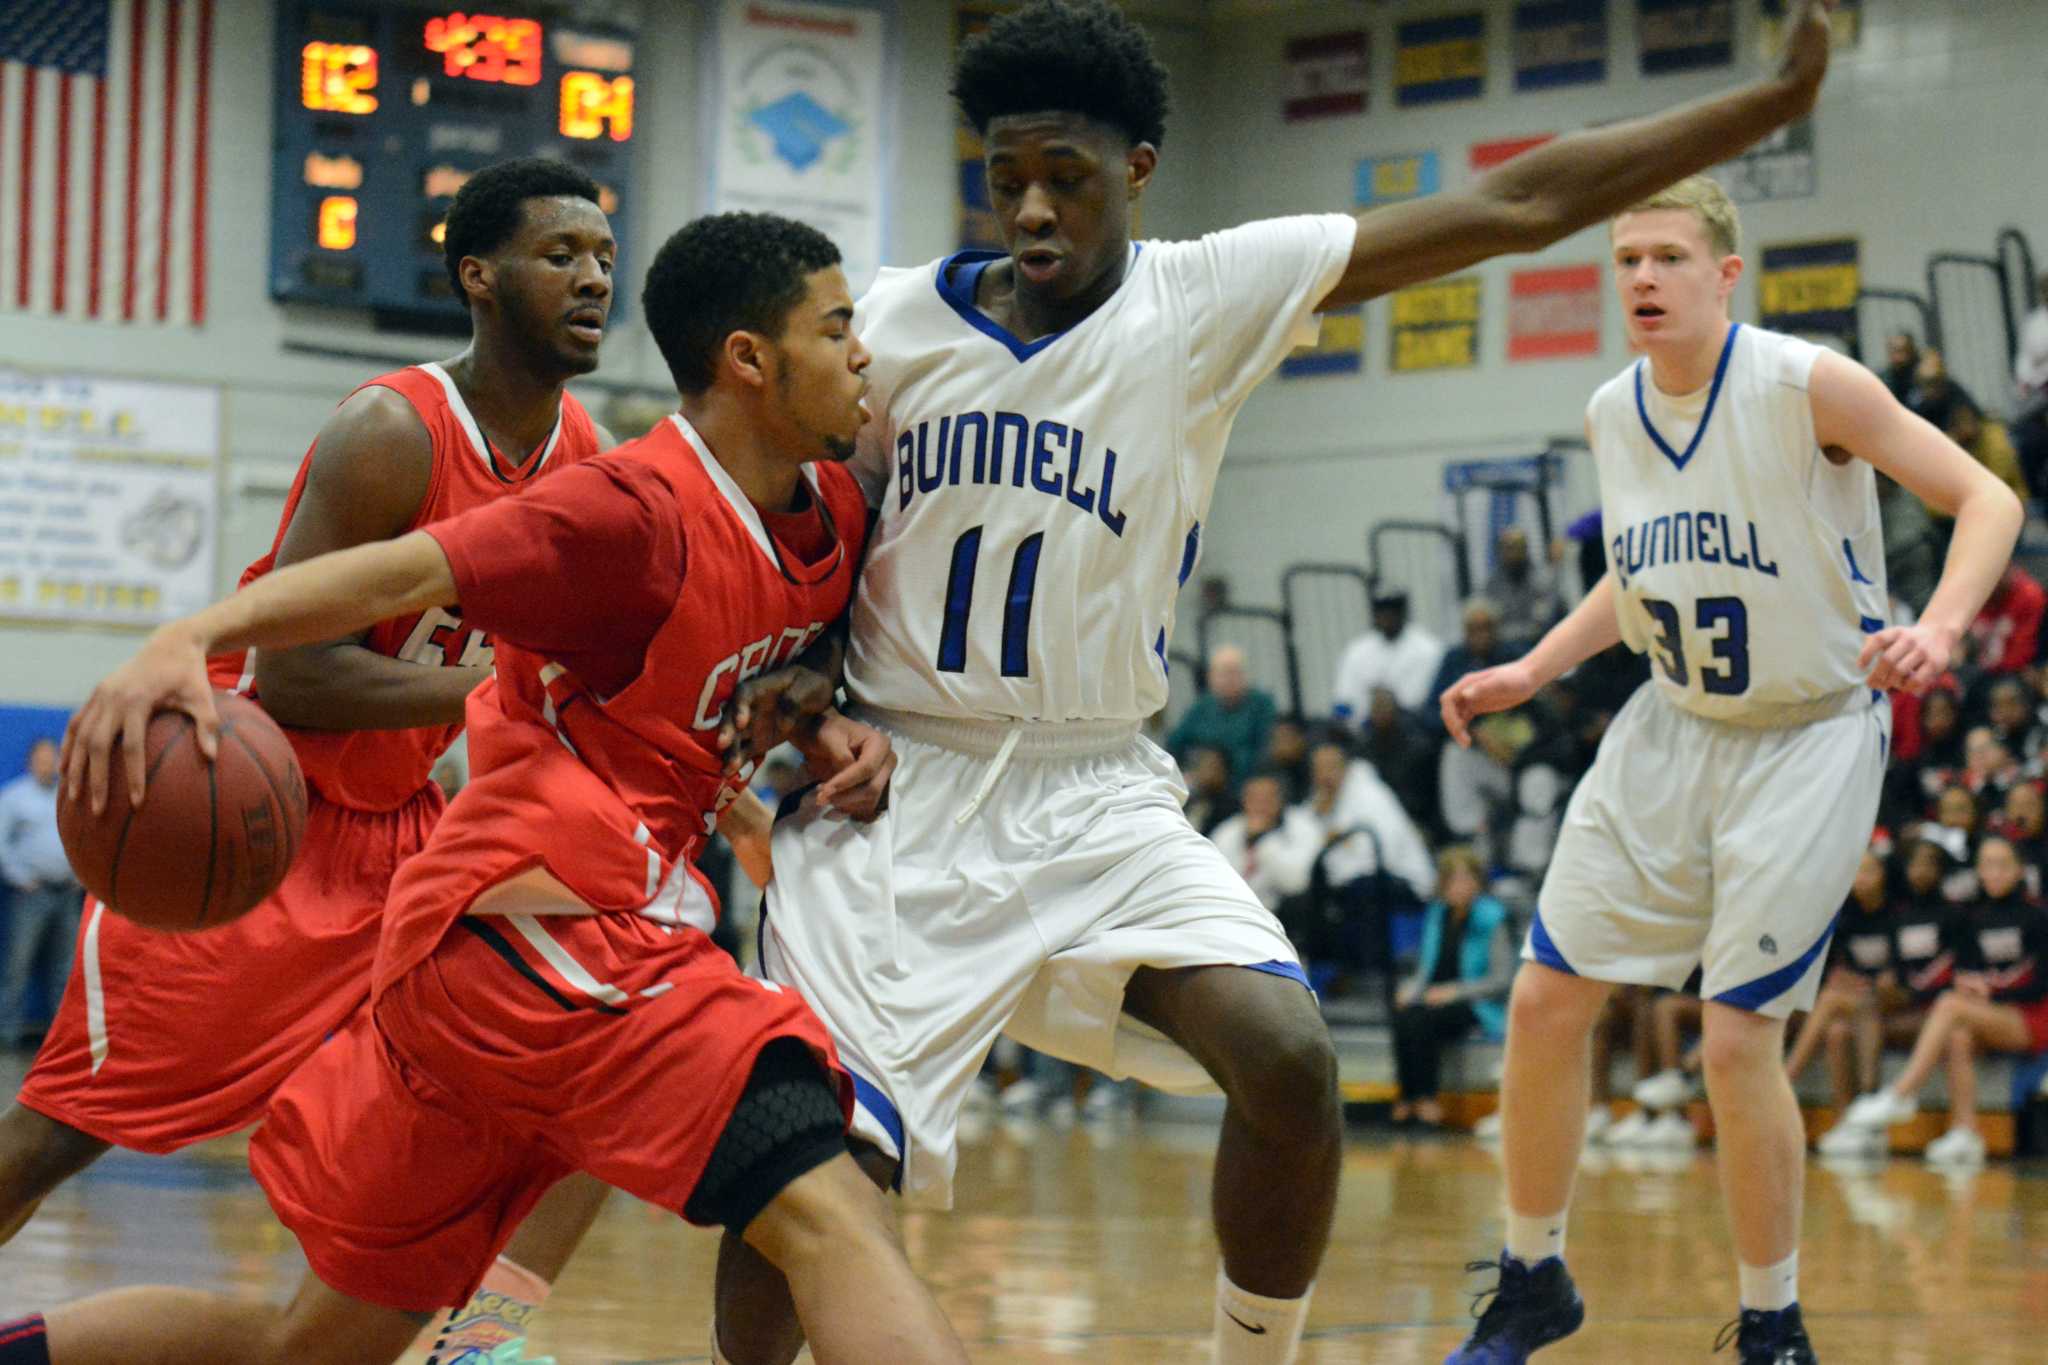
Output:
x=1533 y=1239
x=1771 y=1287
x=1254 y=1330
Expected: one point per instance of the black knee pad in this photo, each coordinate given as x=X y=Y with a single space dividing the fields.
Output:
x=787 y=1123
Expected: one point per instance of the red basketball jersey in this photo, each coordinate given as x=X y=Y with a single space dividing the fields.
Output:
x=616 y=795
x=377 y=770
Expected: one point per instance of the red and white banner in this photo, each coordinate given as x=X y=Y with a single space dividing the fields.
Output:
x=1554 y=313
x=1328 y=75
x=1486 y=155
x=103 y=150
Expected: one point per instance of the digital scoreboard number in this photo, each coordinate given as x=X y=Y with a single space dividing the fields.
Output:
x=383 y=111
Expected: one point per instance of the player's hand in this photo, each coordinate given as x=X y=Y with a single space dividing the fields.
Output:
x=1908 y=658
x=167 y=674
x=1806 y=45
x=1500 y=688
x=854 y=763
x=769 y=710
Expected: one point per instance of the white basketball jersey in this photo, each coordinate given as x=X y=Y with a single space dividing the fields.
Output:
x=1749 y=566
x=1041 y=503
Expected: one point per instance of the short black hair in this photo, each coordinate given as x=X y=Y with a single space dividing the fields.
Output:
x=726 y=273
x=1072 y=56
x=488 y=208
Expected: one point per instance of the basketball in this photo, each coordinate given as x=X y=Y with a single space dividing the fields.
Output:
x=210 y=840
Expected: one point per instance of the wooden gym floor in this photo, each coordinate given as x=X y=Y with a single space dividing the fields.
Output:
x=1093 y=1244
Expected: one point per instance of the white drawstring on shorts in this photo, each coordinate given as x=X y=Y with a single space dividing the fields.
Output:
x=988 y=779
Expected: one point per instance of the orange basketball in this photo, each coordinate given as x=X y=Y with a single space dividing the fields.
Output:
x=210 y=840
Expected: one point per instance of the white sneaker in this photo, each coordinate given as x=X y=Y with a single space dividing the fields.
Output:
x=1956 y=1147
x=1845 y=1139
x=1488 y=1128
x=1021 y=1098
x=1668 y=1089
x=1627 y=1131
x=1672 y=1132
x=1105 y=1101
x=1880 y=1109
x=1061 y=1112
x=1598 y=1120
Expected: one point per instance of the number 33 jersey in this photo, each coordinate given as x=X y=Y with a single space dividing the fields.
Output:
x=1749 y=566
x=1040 y=503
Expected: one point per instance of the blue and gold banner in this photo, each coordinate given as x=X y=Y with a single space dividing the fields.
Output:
x=1560 y=42
x=1440 y=59
x=1685 y=35
x=1435 y=326
x=1847 y=22
x=1810 y=287
x=1339 y=348
x=1390 y=179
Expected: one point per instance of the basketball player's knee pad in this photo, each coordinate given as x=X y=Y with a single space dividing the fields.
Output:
x=787 y=1123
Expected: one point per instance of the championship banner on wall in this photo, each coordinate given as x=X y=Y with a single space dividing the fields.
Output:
x=1390 y=179
x=1782 y=166
x=1484 y=156
x=977 y=219
x=1435 y=326
x=1559 y=43
x=1810 y=287
x=1339 y=348
x=1847 y=22
x=1329 y=75
x=799 y=121
x=109 y=499
x=1553 y=313
x=1440 y=59
x=1685 y=35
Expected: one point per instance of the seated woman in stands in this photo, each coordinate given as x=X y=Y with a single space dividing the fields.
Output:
x=1461 y=980
x=1849 y=1016
x=1998 y=1003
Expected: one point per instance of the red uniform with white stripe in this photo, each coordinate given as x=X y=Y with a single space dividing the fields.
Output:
x=547 y=998
x=163 y=1040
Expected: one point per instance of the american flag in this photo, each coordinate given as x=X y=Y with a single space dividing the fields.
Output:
x=103 y=145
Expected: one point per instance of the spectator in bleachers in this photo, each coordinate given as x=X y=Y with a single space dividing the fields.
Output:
x=1849 y=1016
x=1272 y=845
x=1936 y=394
x=2023 y=822
x=2030 y=375
x=1989 y=443
x=1926 y=759
x=1676 y=1019
x=1287 y=755
x=1998 y=1003
x=1209 y=802
x=1902 y=366
x=1625 y=1023
x=1230 y=715
x=46 y=899
x=1954 y=827
x=1475 y=786
x=1481 y=647
x=1373 y=862
x=1989 y=769
x=1395 y=654
x=1567 y=736
x=2007 y=634
x=2018 y=727
x=1462 y=974
x=1524 y=596
x=1402 y=751
x=1913 y=545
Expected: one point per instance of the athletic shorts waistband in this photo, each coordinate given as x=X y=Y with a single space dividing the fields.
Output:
x=1786 y=715
x=986 y=738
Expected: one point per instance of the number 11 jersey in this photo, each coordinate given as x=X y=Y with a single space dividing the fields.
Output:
x=1040 y=503
x=1748 y=565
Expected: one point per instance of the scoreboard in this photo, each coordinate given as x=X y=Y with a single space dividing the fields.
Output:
x=383 y=110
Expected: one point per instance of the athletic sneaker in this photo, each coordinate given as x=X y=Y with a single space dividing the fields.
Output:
x=1768 y=1338
x=1847 y=1140
x=1488 y=1128
x=1956 y=1147
x=1628 y=1130
x=1671 y=1132
x=1668 y=1089
x=1532 y=1307
x=1598 y=1120
x=1880 y=1109
x=506 y=1353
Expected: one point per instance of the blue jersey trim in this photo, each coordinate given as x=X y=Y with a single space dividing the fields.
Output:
x=1713 y=396
x=1754 y=995
x=1546 y=951
x=875 y=1102
x=1280 y=967
x=958 y=290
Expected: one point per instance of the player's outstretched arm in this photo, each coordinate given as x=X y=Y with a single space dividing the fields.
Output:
x=365 y=482
x=1589 y=628
x=1855 y=413
x=1581 y=179
x=325 y=598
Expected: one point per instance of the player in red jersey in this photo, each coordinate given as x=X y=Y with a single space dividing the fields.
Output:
x=546 y=997
x=140 y=1055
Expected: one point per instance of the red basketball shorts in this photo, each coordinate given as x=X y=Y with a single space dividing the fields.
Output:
x=163 y=1040
x=406 y=1151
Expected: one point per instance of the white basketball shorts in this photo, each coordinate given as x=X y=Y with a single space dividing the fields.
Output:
x=918 y=938
x=1701 y=843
